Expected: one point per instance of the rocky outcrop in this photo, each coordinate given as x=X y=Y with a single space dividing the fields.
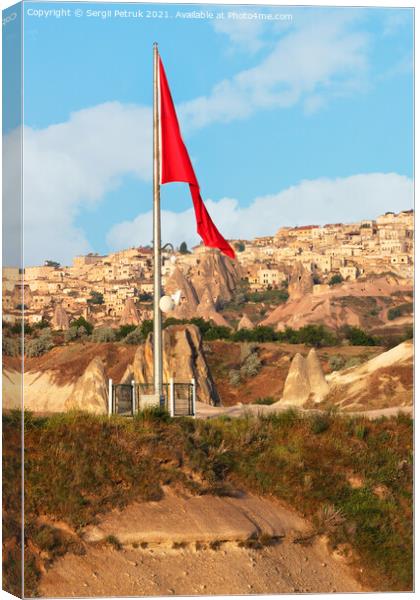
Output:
x=60 y=318
x=301 y=282
x=207 y=309
x=317 y=382
x=245 y=323
x=131 y=314
x=215 y=272
x=296 y=387
x=305 y=381
x=183 y=359
x=188 y=303
x=90 y=393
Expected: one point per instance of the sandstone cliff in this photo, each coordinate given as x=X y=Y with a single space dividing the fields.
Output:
x=91 y=390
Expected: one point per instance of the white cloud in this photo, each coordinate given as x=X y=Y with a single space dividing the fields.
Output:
x=316 y=201
x=245 y=35
x=74 y=164
x=323 y=57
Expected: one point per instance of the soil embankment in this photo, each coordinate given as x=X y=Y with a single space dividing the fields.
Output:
x=199 y=545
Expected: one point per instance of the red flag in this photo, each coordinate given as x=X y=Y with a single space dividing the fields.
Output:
x=176 y=166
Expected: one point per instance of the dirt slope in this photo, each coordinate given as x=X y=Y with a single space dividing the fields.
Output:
x=194 y=566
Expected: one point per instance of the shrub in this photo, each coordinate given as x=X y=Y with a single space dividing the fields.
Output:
x=71 y=334
x=123 y=331
x=40 y=345
x=320 y=423
x=103 y=334
x=235 y=377
x=358 y=337
x=217 y=332
x=134 y=337
x=399 y=311
x=251 y=366
x=81 y=322
x=266 y=401
x=335 y=279
x=336 y=362
x=10 y=346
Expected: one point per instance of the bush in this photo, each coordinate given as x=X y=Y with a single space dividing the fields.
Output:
x=251 y=366
x=39 y=346
x=399 y=311
x=71 y=334
x=123 y=331
x=266 y=401
x=320 y=423
x=81 y=322
x=358 y=337
x=335 y=279
x=217 y=332
x=235 y=377
x=336 y=362
x=103 y=334
x=134 y=337
x=10 y=346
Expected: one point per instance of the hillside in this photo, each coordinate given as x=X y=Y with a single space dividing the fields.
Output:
x=355 y=501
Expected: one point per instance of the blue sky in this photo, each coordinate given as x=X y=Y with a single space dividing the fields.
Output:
x=287 y=122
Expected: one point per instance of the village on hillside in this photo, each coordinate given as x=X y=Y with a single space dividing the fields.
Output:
x=117 y=289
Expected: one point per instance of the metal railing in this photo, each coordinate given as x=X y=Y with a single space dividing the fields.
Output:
x=127 y=399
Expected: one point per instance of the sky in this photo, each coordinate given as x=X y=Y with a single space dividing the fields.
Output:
x=306 y=117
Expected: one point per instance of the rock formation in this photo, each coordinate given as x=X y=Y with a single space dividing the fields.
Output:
x=296 y=387
x=187 y=306
x=60 y=318
x=183 y=359
x=305 y=381
x=245 y=323
x=215 y=272
x=90 y=393
x=318 y=384
x=301 y=282
x=131 y=314
x=207 y=309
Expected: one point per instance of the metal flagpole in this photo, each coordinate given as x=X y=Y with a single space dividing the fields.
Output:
x=157 y=281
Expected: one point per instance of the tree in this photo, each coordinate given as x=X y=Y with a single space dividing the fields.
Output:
x=96 y=298
x=183 y=248
x=239 y=246
x=81 y=322
x=335 y=279
x=52 y=263
x=358 y=337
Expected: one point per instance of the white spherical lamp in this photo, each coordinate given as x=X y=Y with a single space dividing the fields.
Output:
x=166 y=304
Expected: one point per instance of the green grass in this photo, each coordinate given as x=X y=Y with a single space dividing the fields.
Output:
x=79 y=466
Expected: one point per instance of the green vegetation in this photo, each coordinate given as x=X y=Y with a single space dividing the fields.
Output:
x=266 y=401
x=96 y=298
x=358 y=337
x=335 y=279
x=103 y=334
x=81 y=322
x=307 y=461
x=39 y=345
x=183 y=249
x=401 y=310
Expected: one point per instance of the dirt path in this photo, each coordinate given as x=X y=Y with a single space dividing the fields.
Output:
x=176 y=546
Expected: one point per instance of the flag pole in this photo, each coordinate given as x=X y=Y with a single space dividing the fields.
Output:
x=157 y=277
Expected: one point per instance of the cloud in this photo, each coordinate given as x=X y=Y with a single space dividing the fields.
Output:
x=244 y=35
x=316 y=201
x=323 y=58
x=73 y=165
